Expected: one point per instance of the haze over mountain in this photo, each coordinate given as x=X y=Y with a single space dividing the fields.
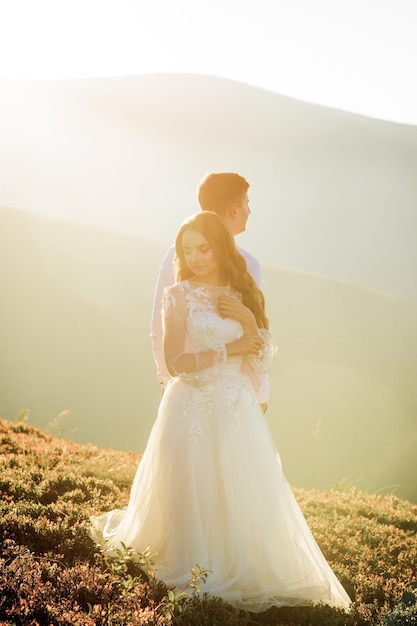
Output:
x=113 y=164
x=331 y=192
x=74 y=336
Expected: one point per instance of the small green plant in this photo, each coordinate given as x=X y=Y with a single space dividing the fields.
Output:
x=57 y=425
x=22 y=417
x=121 y=562
x=128 y=569
x=174 y=602
x=405 y=612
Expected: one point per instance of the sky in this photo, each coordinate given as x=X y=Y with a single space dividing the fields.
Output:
x=355 y=55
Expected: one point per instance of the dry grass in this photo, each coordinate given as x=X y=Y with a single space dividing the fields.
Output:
x=51 y=572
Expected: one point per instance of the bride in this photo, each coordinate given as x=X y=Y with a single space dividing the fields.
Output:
x=210 y=488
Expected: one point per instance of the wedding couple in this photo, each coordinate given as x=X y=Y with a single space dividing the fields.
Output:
x=210 y=488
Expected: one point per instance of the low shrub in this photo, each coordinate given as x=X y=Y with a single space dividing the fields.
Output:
x=52 y=573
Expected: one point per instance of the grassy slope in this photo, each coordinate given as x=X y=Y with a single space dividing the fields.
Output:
x=50 y=571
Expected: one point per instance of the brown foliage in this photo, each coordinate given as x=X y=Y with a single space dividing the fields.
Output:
x=52 y=573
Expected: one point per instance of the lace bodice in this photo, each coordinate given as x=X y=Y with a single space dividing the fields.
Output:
x=190 y=309
x=205 y=328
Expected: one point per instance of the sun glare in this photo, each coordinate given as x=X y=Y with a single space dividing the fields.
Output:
x=301 y=50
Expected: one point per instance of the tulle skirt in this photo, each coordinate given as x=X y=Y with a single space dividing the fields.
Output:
x=210 y=490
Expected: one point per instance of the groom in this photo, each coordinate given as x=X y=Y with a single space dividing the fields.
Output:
x=226 y=194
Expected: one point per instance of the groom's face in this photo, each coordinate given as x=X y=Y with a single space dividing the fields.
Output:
x=242 y=214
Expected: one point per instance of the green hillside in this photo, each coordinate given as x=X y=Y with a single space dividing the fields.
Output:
x=74 y=336
x=344 y=396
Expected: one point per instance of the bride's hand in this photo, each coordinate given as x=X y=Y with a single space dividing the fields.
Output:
x=247 y=344
x=234 y=308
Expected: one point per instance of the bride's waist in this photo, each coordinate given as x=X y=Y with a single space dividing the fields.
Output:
x=210 y=374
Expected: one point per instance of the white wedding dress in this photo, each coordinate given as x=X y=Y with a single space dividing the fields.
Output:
x=209 y=489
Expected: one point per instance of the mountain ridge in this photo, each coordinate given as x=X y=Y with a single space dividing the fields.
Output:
x=331 y=192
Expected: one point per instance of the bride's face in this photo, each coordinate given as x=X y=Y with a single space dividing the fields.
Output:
x=200 y=257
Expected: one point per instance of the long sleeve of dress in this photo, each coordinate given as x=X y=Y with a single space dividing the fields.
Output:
x=165 y=279
x=261 y=363
x=182 y=356
x=257 y=366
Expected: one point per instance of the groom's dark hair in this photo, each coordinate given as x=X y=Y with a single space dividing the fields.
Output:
x=219 y=190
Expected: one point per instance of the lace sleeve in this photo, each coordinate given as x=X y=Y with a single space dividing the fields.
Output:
x=180 y=357
x=174 y=326
x=262 y=362
x=165 y=279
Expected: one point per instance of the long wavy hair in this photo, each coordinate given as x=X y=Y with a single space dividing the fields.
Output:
x=232 y=264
